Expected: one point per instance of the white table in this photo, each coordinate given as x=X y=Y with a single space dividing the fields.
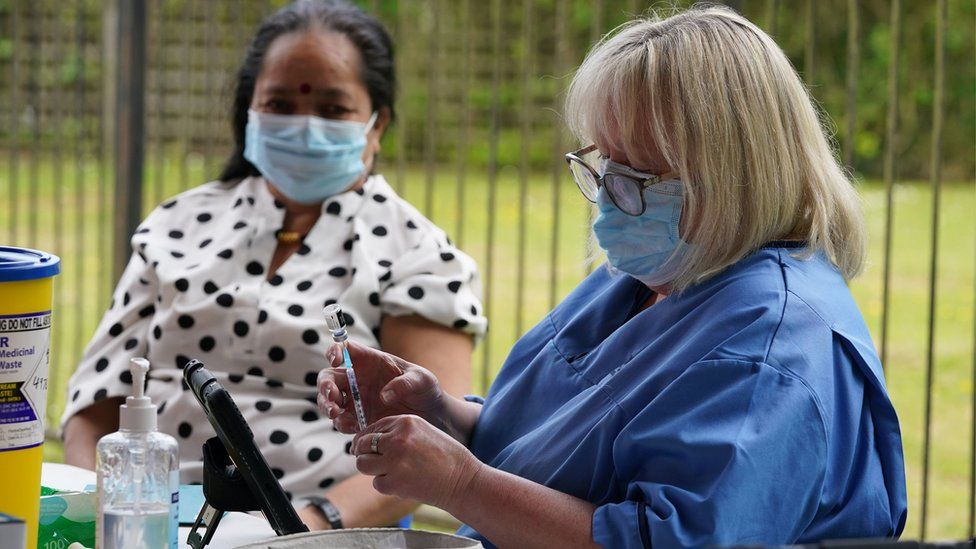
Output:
x=235 y=529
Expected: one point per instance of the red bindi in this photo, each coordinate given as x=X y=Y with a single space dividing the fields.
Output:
x=305 y=89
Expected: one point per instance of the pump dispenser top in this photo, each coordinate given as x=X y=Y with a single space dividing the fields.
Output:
x=138 y=413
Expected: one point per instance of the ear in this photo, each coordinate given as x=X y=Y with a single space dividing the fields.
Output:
x=379 y=128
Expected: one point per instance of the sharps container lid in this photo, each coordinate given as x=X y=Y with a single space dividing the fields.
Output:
x=18 y=264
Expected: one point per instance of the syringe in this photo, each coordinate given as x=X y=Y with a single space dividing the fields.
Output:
x=336 y=321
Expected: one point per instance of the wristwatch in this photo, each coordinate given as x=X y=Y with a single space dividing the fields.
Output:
x=330 y=511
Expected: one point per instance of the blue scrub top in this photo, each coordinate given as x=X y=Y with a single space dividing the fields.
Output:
x=750 y=408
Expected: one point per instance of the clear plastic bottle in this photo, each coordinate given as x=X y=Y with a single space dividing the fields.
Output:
x=138 y=477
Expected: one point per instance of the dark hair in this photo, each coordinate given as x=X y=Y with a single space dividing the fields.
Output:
x=364 y=31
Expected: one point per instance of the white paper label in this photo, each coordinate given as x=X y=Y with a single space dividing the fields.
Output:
x=24 y=356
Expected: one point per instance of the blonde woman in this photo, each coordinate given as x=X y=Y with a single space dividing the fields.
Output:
x=716 y=384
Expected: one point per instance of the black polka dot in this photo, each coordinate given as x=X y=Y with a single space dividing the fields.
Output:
x=76 y=394
x=241 y=328
x=168 y=205
x=379 y=198
x=326 y=482
x=474 y=311
x=296 y=310
x=279 y=204
x=348 y=448
x=333 y=208
x=210 y=287
x=276 y=280
x=278 y=473
x=262 y=317
x=185 y=430
x=100 y=394
x=225 y=300
x=207 y=344
x=157 y=332
x=304 y=286
x=204 y=217
x=376 y=332
x=310 y=415
x=226 y=254
x=386 y=263
x=159 y=411
x=310 y=337
x=311 y=379
x=279 y=437
x=126 y=298
x=250 y=200
x=238 y=202
x=447 y=256
x=126 y=377
x=387 y=276
x=115 y=330
x=314 y=454
x=276 y=354
x=185 y=321
x=416 y=292
x=181 y=361
x=182 y=284
x=177 y=255
x=347 y=245
x=374 y=299
x=303 y=250
x=235 y=378
x=131 y=344
x=239 y=225
x=379 y=230
x=255 y=371
x=142 y=230
x=460 y=323
x=348 y=318
x=454 y=286
x=205 y=243
x=255 y=268
x=274 y=383
x=147 y=311
x=176 y=234
x=263 y=405
x=330 y=302
x=337 y=271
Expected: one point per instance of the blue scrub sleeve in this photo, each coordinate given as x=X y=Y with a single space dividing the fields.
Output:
x=729 y=452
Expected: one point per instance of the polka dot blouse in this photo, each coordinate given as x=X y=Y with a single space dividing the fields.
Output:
x=197 y=286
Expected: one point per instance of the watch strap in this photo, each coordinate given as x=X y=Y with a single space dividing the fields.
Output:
x=328 y=509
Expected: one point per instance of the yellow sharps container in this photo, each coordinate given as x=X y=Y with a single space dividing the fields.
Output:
x=26 y=279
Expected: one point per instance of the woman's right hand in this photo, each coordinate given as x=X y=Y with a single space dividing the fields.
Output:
x=388 y=385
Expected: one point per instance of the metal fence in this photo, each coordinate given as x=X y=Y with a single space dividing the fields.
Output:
x=478 y=148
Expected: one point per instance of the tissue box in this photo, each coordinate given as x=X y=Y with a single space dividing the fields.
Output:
x=66 y=518
x=13 y=532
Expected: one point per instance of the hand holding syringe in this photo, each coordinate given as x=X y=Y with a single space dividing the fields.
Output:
x=337 y=325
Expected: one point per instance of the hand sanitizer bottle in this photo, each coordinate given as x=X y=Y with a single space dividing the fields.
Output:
x=138 y=476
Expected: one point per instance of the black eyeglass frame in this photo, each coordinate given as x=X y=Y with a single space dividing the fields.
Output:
x=639 y=180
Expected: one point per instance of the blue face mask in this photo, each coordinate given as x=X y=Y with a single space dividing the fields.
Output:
x=307 y=158
x=642 y=246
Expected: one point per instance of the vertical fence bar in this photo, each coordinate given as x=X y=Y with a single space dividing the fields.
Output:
x=104 y=229
x=891 y=134
x=161 y=68
x=430 y=123
x=401 y=126
x=80 y=147
x=36 y=100
x=13 y=90
x=811 y=42
x=772 y=17
x=210 y=91
x=938 y=105
x=558 y=165
x=57 y=193
x=464 y=121
x=596 y=30
x=496 y=69
x=853 y=65
x=186 y=96
x=129 y=126
x=525 y=138
x=972 y=432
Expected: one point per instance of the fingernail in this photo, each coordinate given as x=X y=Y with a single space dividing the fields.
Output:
x=387 y=396
x=330 y=354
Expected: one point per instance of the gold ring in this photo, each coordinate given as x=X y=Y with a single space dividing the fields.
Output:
x=374 y=443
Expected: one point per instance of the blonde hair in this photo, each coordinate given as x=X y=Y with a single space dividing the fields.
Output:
x=714 y=95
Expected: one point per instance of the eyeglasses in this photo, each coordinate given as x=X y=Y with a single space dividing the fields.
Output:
x=624 y=185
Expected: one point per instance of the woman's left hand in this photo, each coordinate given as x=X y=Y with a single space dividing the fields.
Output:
x=411 y=458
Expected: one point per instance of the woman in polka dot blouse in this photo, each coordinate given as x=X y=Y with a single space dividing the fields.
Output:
x=236 y=272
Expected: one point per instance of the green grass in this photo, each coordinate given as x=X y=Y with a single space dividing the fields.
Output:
x=82 y=291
